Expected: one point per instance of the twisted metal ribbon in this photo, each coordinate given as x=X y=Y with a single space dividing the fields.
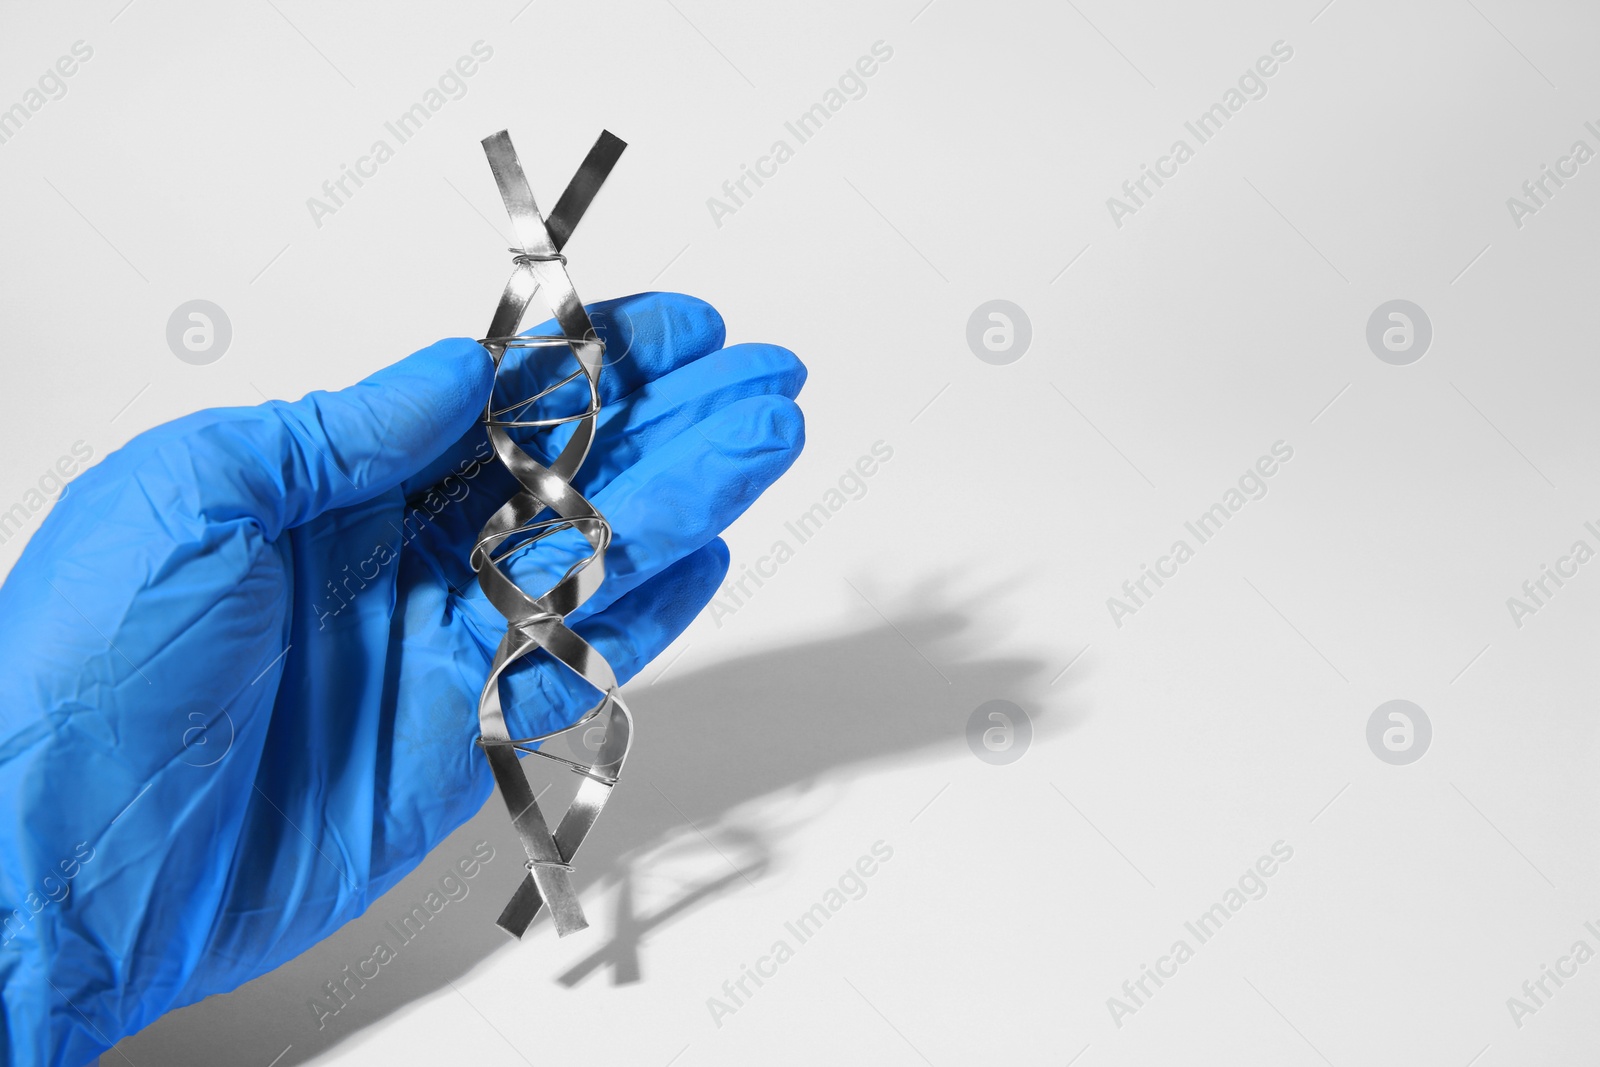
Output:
x=537 y=622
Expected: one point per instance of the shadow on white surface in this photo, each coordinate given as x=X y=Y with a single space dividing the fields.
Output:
x=709 y=743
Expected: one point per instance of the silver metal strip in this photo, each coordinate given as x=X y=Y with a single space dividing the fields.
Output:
x=537 y=622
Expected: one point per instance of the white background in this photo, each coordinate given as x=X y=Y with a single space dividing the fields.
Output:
x=778 y=743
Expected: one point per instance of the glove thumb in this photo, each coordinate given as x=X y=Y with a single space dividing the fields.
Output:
x=291 y=461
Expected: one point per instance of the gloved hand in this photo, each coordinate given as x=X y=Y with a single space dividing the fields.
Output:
x=242 y=655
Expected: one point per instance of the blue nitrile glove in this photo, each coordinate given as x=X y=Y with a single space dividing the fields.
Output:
x=242 y=655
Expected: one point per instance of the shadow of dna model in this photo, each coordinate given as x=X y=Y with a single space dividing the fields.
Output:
x=708 y=742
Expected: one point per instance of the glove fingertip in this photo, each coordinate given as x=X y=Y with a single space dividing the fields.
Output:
x=661 y=331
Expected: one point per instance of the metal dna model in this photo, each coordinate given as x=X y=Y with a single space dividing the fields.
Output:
x=546 y=504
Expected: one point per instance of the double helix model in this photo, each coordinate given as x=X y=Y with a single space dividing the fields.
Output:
x=546 y=505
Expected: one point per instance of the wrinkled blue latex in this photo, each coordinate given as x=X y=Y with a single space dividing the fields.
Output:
x=206 y=806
